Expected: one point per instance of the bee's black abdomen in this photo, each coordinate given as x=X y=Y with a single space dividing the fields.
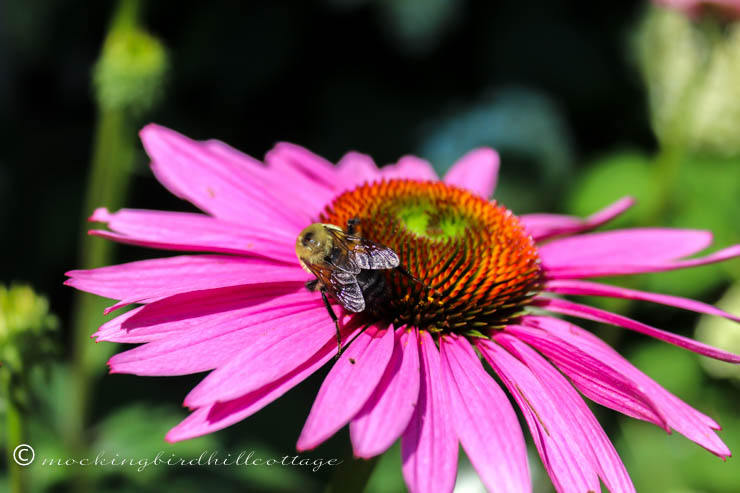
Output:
x=373 y=287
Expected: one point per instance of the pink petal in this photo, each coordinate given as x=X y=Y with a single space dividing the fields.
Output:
x=287 y=158
x=586 y=288
x=265 y=359
x=111 y=330
x=355 y=169
x=195 y=232
x=157 y=278
x=590 y=313
x=625 y=246
x=193 y=172
x=680 y=416
x=429 y=445
x=628 y=251
x=387 y=412
x=557 y=440
x=217 y=346
x=593 y=441
x=638 y=266
x=543 y=226
x=596 y=380
x=410 y=168
x=201 y=310
x=348 y=386
x=219 y=415
x=485 y=422
x=310 y=196
x=476 y=171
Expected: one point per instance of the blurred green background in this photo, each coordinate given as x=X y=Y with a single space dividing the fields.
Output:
x=586 y=102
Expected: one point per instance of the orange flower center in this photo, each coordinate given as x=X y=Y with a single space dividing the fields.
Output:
x=475 y=266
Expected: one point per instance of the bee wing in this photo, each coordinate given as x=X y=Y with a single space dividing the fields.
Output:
x=367 y=254
x=347 y=291
x=341 y=285
x=344 y=260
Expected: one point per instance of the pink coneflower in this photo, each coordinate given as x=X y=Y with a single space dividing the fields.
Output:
x=486 y=279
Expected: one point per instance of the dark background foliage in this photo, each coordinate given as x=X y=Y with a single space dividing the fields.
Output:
x=551 y=84
x=252 y=73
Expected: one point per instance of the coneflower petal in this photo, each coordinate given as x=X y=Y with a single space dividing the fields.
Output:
x=544 y=226
x=409 y=167
x=348 y=386
x=204 y=311
x=269 y=354
x=286 y=158
x=598 y=315
x=356 y=168
x=691 y=423
x=147 y=280
x=429 y=444
x=496 y=446
x=638 y=246
x=195 y=352
x=387 y=412
x=587 y=288
x=310 y=197
x=595 y=379
x=556 y=438
x=476 y=171
x=194 y=232
x=594 y=442
x=194 y=173
x=219 y=415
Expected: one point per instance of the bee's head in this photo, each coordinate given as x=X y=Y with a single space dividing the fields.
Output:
x=313 y=244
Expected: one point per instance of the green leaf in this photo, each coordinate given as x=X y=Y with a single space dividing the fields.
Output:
x=704 y=196
x=657 y=461
x=387 y=476
x=609 y=178
x=674 y=368
x=137 y=433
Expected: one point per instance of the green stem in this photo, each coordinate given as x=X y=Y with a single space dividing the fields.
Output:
x=108 y=184
x=667 y=165
x=127 y=15
x=114 y=150
x=352 y=475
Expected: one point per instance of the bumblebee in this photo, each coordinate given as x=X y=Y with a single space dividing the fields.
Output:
x=347 y=267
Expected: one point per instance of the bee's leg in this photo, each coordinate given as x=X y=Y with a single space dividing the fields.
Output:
x=334 y=318
x=408 y=274
x=352 y=225
x=312 y=285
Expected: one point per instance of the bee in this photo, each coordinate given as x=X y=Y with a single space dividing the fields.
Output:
x=347 y=267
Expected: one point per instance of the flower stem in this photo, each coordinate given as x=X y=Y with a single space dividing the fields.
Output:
x=352 y=475
x=667 y=165
x=108 y=183
x=125 y=72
